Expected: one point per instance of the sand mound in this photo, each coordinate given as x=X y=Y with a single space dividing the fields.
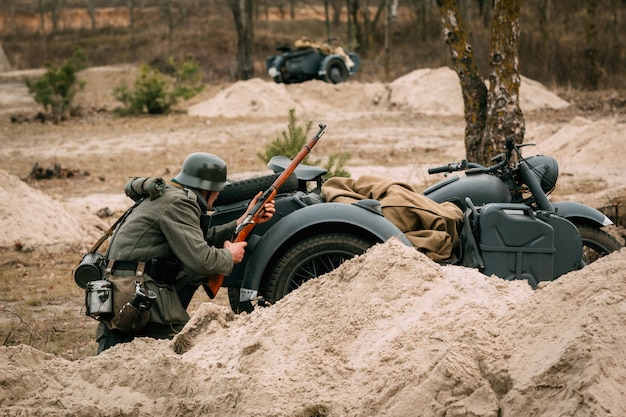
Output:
x=31 y=218
x=427 y=91
x=254 y=97
x=388 y=333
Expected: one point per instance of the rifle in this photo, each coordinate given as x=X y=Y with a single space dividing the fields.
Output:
x=243 y=230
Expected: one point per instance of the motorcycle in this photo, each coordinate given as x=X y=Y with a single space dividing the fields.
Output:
x=511 y=229
x=518 y=231
x=312 y=61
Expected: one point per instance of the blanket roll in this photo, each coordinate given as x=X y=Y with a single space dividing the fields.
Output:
x=431 y=227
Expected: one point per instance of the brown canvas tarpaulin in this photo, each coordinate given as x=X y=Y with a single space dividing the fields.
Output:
x=431 y=227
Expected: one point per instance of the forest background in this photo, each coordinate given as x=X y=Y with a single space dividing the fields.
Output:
x=563 y=43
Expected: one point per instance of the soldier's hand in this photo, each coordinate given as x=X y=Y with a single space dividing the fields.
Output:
x=268 y=209
x=237 y=249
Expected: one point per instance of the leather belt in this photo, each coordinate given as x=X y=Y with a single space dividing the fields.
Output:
x=131 y=266
x=161 y=270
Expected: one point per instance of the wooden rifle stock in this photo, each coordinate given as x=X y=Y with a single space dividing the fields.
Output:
x=243 y=230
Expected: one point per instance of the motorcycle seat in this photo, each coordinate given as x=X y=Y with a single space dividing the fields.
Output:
x=303 y=172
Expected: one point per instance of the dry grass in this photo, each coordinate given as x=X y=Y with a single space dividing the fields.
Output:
x=41 y=306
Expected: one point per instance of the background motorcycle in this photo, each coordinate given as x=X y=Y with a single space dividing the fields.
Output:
x=309 y=63
x=527 y=182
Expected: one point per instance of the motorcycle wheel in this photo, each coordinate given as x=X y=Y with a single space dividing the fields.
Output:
x=305 y=260
x=596 y=243
x=310 y=258
x=336 y=71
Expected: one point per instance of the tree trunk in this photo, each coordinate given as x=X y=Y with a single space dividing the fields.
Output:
x=504 y=116
x=336 y=6
x=493 y=115
x=546 y=51
x=327 y=18
x=55 y=8
x=593 y=71
x=472 y=85
x=42 y=32
x=242 y=15
x=91 y=10
x=421 y=19
x=131 y=25
x=168 y=13
x=387 y=46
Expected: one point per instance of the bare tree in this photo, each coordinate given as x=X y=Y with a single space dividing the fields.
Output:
x=55 y=8
x=391 y=8
x=167 y=11
x=243 y=15
x=131 y=4
x=593 y=69
x=544 y=10
x=91 y=10
x=491 y=114
x=361 y=25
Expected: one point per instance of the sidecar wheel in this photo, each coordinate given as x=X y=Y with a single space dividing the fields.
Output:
x=336 y=71
x=596 y=243
x=310 y=258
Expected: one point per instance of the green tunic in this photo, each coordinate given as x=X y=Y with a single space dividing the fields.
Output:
x=169 y=227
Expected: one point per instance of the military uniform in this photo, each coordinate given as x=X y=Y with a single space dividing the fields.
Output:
x=169 y=228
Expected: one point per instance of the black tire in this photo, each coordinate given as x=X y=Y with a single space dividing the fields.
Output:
x=290 y=271
x=336 y=71
x=310 y=258
x=246 y=189
x=596 y=243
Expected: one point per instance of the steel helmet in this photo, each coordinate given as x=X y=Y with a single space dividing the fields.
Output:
x=203 y=171
x=546 y=169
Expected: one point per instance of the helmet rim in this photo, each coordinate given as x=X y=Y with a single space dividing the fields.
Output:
x=203 y=171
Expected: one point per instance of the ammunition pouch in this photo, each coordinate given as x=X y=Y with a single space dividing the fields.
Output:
x=157 y=281
x=132 y=302
x=122 y=302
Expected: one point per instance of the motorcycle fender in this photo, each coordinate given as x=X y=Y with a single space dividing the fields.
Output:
x=573 y=211
x=309 y=221
x=322 y=70
x=274 y=65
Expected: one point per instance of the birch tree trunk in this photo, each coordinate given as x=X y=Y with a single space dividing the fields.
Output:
x=490 y=115
x=473 y=87
x=504 y=115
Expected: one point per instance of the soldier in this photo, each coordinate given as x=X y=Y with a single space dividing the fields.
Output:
x=165 y=232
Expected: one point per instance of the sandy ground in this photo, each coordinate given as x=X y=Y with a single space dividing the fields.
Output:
x=390 y=333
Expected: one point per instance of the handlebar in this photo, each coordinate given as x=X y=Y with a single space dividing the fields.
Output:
x=473 y=167
x=455 y=166
x=465 y=166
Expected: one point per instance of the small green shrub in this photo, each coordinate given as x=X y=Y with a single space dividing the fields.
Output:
x=56 y=89
x=291 y=141
x=156 y=93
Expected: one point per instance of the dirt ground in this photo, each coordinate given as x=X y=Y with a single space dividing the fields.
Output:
x=389 y=333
